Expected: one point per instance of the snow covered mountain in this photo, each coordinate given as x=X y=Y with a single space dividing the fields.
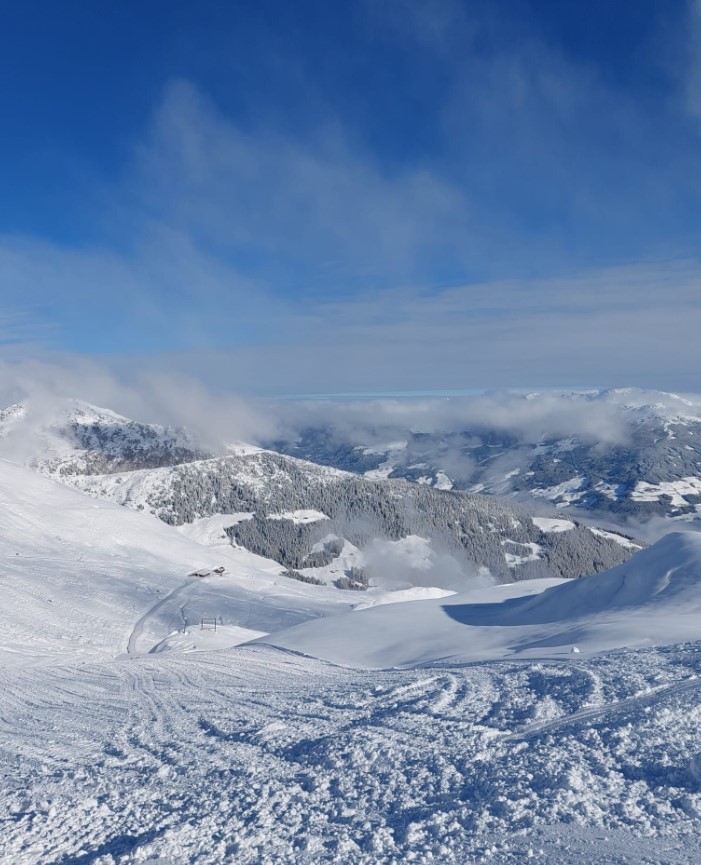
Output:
x=648 y=464
x=73 y=437
x=83 y=577
x=461 y=535
x=481 y=532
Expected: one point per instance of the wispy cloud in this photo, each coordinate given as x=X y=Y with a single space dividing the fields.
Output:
x=47 y=385
x=273 y=261
x=318 y=209
x=635 y=325
x=19 y=328
x=625 y=326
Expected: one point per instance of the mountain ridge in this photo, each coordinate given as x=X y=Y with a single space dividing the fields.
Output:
x=644 y=462
x=475 y=532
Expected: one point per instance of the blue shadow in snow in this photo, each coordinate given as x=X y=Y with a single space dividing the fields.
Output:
x=117 y=846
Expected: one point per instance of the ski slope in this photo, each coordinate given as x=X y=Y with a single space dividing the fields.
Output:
x=253 y=756
x=652 y=599
x=85 y=577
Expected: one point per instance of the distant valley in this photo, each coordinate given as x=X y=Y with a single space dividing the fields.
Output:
x=650 y=467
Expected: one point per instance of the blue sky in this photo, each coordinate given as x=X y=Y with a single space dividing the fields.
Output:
x=332 y=197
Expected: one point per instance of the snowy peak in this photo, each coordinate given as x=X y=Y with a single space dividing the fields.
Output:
x=73 y=437
x=654 y=404
x=637 y=402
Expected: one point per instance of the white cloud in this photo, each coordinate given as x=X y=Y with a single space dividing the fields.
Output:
x=268 y=263
x=623 y=326
x=148 y=396
x=634 y=325
x=528 y=417
x=318 y=205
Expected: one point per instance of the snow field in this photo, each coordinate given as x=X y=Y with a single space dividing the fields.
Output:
x=564 y=494
x=492 y=743
x=649 y=600
x=86 y=577
x=546 y=524
x=254 y=756
x=300 y=517
x=613 y=536
x=675 y=490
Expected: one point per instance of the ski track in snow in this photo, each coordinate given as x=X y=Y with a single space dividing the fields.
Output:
x=258 y=756
x=149 y=614
x=606 y=712
x=262 y=755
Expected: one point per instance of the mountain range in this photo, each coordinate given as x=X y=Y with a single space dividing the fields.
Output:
x=642 y=461
x=163 y=472
x=169 y=694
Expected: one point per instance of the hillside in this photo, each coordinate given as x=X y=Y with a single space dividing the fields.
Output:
x=482 y=532
x=124 y=740
x=468 y=534
x=651 y=600
x=90 y=578
x=254 y=753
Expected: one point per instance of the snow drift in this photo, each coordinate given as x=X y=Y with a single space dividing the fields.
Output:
x=653 y=599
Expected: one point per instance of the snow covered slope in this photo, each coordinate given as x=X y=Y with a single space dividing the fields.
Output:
x=255 y=754
x=652 y=599
x=79 y=575
x=160 y=471
x=251 y=756
x=480 y=530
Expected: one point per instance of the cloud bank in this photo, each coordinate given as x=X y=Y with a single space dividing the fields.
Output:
x=173 y=399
